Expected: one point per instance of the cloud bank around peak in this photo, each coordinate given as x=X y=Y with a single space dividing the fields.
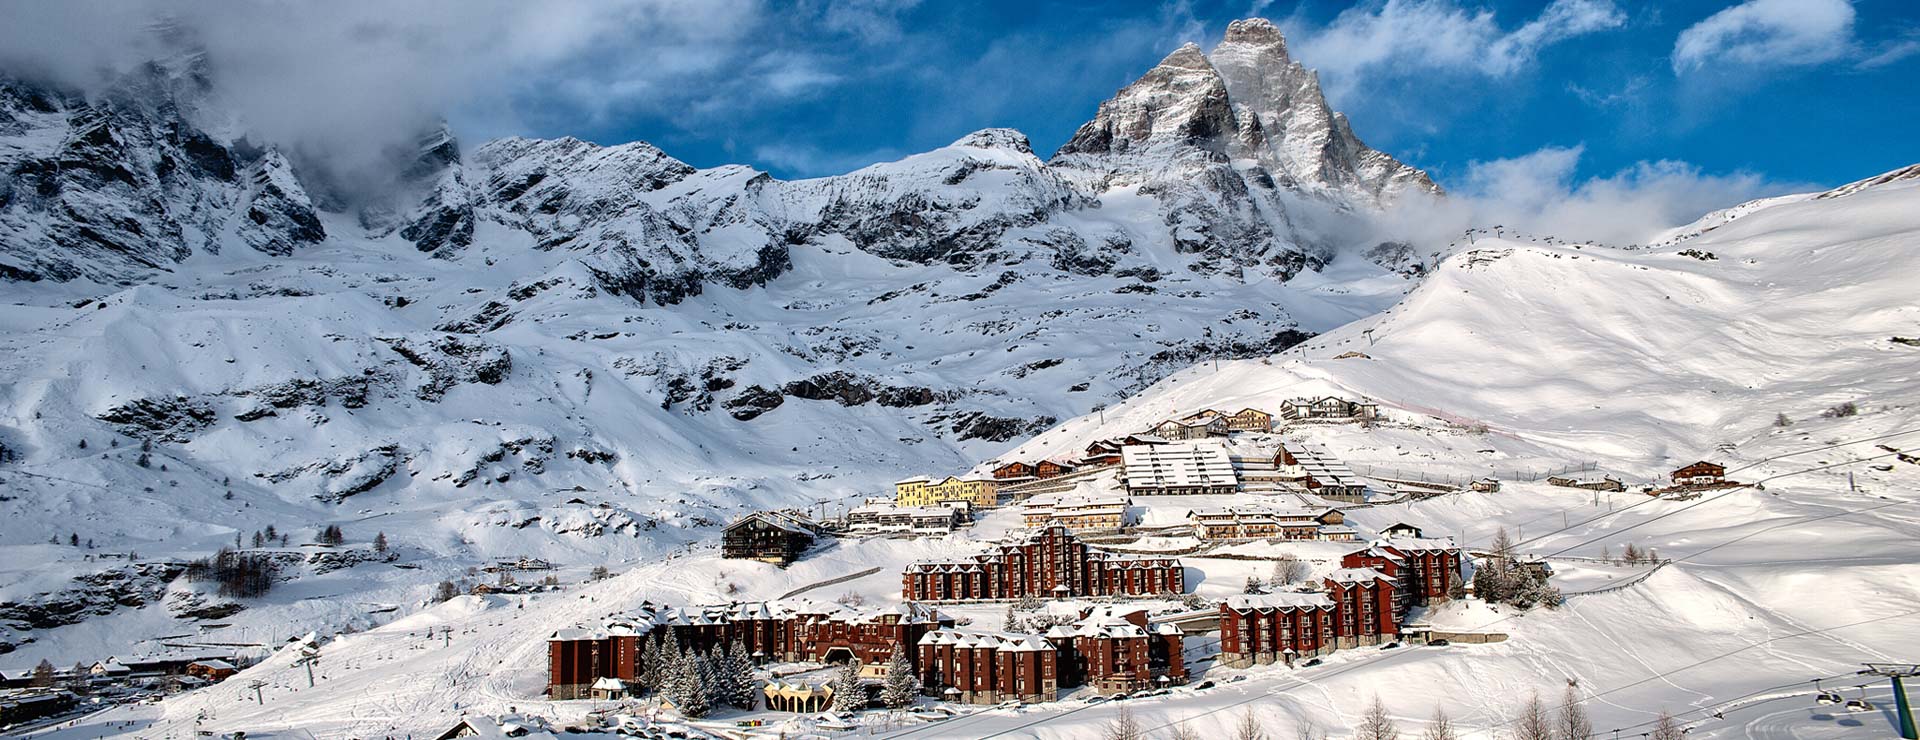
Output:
x=353 y=78
x=1541 y=193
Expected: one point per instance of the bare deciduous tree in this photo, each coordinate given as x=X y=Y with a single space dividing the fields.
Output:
x=1288 y=570
x=1534 y=722
x=1249 y=728
x=1441 y=728
x=1376 y=724
x=1665 y=727
x=1574 y=724
x=1183 y=731
x=1123 y=726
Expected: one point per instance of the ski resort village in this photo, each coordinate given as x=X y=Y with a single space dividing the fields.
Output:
x=1186 y=413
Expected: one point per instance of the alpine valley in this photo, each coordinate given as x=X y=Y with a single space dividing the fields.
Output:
x=588 y=355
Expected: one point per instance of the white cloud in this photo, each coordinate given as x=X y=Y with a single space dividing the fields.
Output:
x=350 y=79
x=1892 y=51
x=1402 y=36
x=1541 y=193
x=1768 y=33
x=798 y=157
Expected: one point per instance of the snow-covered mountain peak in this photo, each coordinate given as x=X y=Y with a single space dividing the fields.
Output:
x=996 y=138
x=1255 y=32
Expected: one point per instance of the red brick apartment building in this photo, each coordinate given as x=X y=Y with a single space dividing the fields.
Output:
x=1048 y=562
x=578 y=656
x=1112 y=650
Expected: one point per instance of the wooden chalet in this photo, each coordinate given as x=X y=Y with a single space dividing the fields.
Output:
x=1401 y=529
x=1013 y=470
x=1178 y=430
x=776 y=537
x=1051 y=469
x=1250 y=420
x=1102 y=452
x=1701 y=473
x=213 y=670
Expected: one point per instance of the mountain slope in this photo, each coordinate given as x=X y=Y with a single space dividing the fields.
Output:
x=561 y=349
x=1650 y=357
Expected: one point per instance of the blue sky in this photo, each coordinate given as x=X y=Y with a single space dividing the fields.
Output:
x=1715 y=100
x=1796 y=92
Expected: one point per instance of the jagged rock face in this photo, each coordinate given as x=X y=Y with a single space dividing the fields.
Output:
x=1222 y=141
x=120 y=184
x=952 y=205
x=651 y=227
x=1179 y=106
x=1287 y=126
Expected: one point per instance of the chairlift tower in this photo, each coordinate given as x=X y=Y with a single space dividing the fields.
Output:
x=1903 y=708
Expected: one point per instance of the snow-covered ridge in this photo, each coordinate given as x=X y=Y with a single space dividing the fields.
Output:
x=1646 y=357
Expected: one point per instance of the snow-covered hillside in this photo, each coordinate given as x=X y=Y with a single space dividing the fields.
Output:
x=1636 y=360
x=1645 y=358
x=579 y=352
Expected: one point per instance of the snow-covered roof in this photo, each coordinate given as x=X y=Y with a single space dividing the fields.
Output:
x=218 y=665
x=609 y=683
x=1357 y=575
x=1177 y=465
x=1280 y=600
x=1419 y=544
x=999 y=641
x=915 y=479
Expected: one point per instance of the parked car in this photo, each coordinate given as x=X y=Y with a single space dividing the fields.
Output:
x=1442 y=642
x=1311 y=662
x=1203 y=685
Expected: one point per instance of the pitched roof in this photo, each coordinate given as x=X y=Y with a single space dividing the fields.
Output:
x=1279 y=600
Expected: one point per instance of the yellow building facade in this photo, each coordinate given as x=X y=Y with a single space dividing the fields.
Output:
x=979 y=490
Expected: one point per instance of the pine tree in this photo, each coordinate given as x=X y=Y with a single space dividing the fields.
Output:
x=719 y=678
x=1631 y=555
x=1254 y=586
x=695 y=685
x=901 y=685
x=676 y=678
x=1012 y=623
x=73 y=539
x=648 y=670
x=43 y=673
x=1377 y=724
x=380 y=543
x=258 y=539
x=848 y=694
x=144 y=460
x=746 y=693
x=445 y=591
